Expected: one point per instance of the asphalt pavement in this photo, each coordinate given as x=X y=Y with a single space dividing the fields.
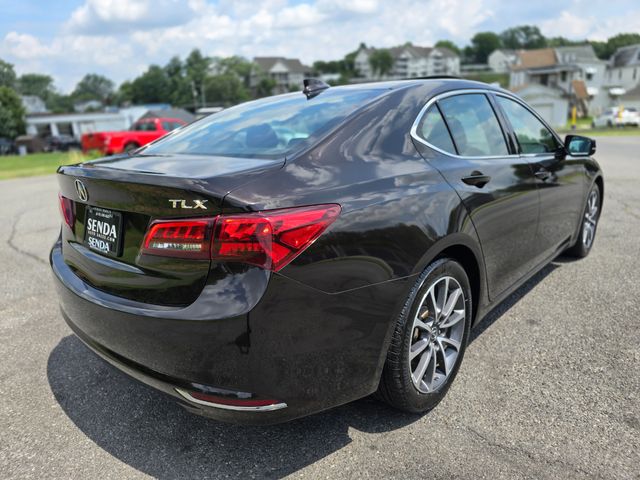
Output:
x=549 y=387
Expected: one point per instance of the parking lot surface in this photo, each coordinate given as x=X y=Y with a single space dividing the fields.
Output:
x=549 y=387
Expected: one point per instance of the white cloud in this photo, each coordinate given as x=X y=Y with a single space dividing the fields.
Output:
x=585 y=24
x=111 y=16
x=120 y=38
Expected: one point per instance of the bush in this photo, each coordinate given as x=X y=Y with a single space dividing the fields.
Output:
x=11 y=113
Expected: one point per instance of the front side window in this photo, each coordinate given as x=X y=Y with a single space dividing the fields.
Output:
x=473 y=125
x=434 y=131
x=531 y=133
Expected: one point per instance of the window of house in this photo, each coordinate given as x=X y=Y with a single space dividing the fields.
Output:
x=433 y=130
x=589 y=76
x=531 y=133
x=563 y=77
x=473 y=125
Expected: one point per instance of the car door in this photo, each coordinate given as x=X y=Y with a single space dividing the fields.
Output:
x=560 y=177
x=469 y=146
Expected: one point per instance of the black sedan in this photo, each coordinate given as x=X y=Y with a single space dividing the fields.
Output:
x=301 y=251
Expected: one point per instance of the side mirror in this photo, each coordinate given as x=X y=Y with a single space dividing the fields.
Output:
x=578 y=146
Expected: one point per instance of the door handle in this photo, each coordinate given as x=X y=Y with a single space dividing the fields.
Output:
x=477 y=179
x=543 y=174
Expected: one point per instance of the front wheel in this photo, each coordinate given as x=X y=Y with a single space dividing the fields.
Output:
x=589 y=225
x=429 y=340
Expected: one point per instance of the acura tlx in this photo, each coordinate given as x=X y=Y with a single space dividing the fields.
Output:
x=294 y=253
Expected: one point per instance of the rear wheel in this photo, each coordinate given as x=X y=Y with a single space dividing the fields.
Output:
x=429 y=340
x=131 y=146
x=589 y=225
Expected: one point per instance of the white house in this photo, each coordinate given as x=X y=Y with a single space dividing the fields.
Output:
x=501 y=60
x=409 y=61
x=33 y=104
x=550 y=103
x=623 y=75
x=571 y=70
x=287 y=73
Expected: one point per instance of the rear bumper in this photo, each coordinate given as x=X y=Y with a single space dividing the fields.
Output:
x=308 y=349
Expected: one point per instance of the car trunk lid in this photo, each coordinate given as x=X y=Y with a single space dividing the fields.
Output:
x=116 y=199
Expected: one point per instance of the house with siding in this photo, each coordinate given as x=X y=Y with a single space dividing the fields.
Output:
x=409 y=61
x=575 y=71
x=501 y=60
x=622 y=80
x=287 y=73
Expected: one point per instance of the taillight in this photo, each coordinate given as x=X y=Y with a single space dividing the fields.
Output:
x=269 y=239
x=181 y=238
x=67 y=211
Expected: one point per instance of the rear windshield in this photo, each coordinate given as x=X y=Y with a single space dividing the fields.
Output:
x=270 y=128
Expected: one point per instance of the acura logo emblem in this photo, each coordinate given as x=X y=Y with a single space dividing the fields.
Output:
x=82 y=191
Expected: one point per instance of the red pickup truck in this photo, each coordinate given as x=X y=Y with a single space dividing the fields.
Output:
x=142 y=132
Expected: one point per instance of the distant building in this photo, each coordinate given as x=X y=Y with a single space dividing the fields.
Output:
x=550 y=103
x=76 y=124
x=623 y=74
x=501 y=60
x=287 y=73
x=33 y=104
x=409 y=61
x=573 y=71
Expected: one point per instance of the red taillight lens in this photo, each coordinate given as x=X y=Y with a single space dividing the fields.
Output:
x=270 y=239
x=184 y=238
x=67 y=211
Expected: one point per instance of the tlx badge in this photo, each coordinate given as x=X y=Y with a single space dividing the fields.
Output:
x=183 y=204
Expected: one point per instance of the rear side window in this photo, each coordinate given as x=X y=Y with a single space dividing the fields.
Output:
x=474 y=126
x=144 y=127
x=169 y=126
x=268 y=128
x=434 y=131
x=531 y=133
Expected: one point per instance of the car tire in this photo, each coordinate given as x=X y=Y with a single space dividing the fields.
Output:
x=129 y=147
x=588 y=225
x=413 y=379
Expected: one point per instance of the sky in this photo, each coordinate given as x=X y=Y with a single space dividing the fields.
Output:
x=121 y=38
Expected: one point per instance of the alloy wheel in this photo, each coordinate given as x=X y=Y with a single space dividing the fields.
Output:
x=437 y=334
x=590 y=218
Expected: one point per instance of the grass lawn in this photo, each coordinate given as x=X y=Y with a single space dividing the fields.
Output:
x=602 y=132
x=13 y=166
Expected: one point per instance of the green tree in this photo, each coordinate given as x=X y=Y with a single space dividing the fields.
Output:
x=36 y=84
x=238 y=66
x=612 y=44
x=180 y=89
x=152 y=86
x=227 y=89
x=523 y=37
x=11 y=113
x=448 y=44
x=381 y=61
x=197 y=68
x=59 y=103
x=7 y=75
x=93 y=87
x=482 y=44
x=265 y=86
x=563 y=42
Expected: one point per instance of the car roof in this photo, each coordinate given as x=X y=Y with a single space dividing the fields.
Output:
x=435 y=82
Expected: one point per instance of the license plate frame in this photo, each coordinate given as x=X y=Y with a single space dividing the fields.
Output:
x=103 y=231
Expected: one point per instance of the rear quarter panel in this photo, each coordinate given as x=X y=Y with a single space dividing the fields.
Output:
x=395 y=208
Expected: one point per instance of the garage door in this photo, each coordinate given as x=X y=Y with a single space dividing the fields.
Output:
x=545 y=110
